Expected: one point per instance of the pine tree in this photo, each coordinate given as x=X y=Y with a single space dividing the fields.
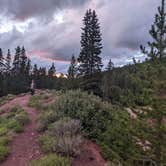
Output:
x=43 y=71
x=158 y=33
x=8 y=63
x=52 y=70
x=28 y=67
x=16 y=62
x=110 y=65
x=134 y=61
x=35 y=71
x=1 y=62
x=89 y=58
x=72 y=68
x=23 y=61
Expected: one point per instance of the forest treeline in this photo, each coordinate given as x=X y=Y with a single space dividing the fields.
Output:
x=17 y=72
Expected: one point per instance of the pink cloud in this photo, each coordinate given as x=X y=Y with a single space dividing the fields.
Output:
x=44 y=55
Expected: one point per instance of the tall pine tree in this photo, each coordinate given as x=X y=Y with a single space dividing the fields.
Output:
x=91 y=46
x=1 y=62
x=42 y=71
x=158 y=33
x=35 y=71
x=8 y=63
x=16 y=61
x=52 y=70
x=72 y=68
x=110 y=65
x=28 y=67
x=23 y=61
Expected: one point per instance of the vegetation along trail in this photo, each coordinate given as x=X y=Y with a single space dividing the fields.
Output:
x=24 y=146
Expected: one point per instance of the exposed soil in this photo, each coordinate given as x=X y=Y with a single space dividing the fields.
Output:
x=24 y=146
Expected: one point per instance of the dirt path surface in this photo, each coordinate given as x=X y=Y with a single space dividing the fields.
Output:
x=24 y=146
x=90 y=156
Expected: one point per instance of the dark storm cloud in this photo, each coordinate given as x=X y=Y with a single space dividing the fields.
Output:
x=24 y=9
x=124 y=25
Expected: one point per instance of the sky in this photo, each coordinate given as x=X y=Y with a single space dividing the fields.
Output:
x=50 y=30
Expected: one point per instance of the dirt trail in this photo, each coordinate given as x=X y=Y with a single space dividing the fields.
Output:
x=24 y=146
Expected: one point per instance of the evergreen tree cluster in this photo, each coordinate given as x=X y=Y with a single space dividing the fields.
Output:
x=16 y=73
x=21 y=65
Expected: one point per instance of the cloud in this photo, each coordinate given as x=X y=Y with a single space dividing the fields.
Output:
x=23 y=9
x=51 y=29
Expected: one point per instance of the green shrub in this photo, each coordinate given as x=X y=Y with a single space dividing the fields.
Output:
x=108 y=153
x=47 y=142
x=66 y=126
x=64 y=137
x=4 y=151
x=4 y=140
x=46 y=118
x=67 y=137
x=3 y=131
x=127 y=98
x=15 y=109
x=5 y=99
x=12 y=124
x=118 y=140
x=51 y=160
x=16 y=119
x=15 y=126
x=35 y=101
x=67 y=145
x=22 y=118
x=18 y=128
x=115 y=94
x=93 y=114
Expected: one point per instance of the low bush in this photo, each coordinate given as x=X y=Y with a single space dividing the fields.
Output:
x=4 y=151
x=117 y=141
x=12 y=124
x=17 y=118
x=51 y=160
x=4 y=140
x=15 y=126
x=93 y=114
x=22 y=118
x=35 y=101
x=18 y=128
x=3 y=131
x=5 y=99
x=66 y=127
x=68 y=146
x=16 y=109
x=45 y=119
x=64 y=137
x=47 y=143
